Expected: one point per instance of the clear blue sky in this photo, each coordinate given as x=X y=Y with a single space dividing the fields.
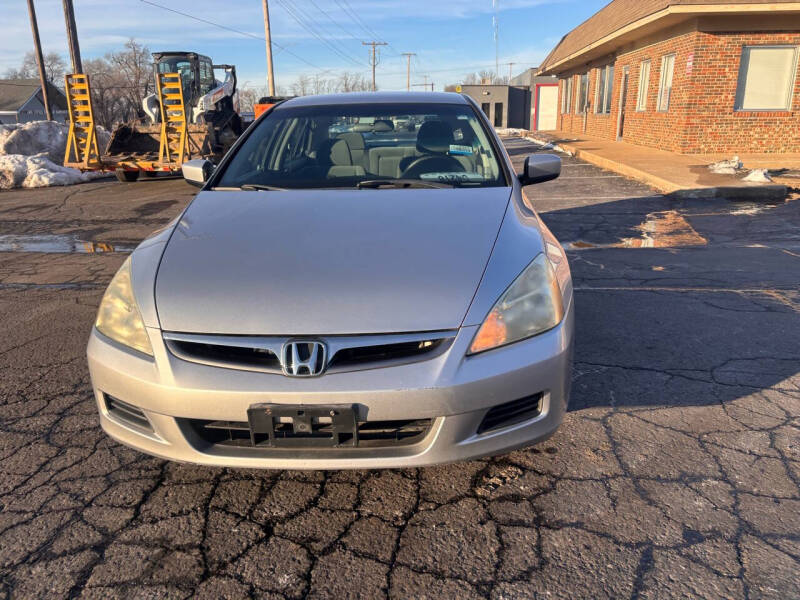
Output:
x=451 y=37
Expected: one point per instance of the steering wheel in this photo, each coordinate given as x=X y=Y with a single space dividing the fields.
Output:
x=432 y=164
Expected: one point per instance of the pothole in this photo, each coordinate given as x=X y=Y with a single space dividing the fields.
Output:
x=58 y=244
x=667 y=229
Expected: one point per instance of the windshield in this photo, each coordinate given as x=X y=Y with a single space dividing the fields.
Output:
x=366 y=146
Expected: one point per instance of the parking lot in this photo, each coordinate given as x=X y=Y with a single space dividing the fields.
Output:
x=675 y=474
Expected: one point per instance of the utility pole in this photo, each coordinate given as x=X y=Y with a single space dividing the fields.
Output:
x=374 y=60
x=270 y=68
x=39 y=60
x=408 y=55
x=72 y=37
x=510 y=65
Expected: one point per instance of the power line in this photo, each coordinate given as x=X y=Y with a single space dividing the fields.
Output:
x=309 y=27
x=345 y=6
x=231 y=29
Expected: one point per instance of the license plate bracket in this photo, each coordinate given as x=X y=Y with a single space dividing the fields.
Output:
x=296 y=425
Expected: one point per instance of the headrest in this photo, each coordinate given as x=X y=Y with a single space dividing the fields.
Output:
x=340 y=153
x=354 y=140
x=334 y=152
x=382 y=126
x=434 y=137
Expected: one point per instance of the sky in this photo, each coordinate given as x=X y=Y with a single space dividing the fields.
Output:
x=451 y=38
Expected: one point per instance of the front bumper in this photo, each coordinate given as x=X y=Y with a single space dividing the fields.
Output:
x=452 y=390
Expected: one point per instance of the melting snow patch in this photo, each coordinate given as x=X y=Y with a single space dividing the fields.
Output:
x=17 y=170
x=726 y=167
x=758 y=176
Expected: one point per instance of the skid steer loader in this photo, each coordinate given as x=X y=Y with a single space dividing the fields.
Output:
x=190 y=115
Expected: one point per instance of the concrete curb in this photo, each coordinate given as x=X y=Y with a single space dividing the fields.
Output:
x=751 y=193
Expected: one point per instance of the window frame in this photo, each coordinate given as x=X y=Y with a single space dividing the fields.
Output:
x=662 y=82
x=603 y=98
x=583 y=93
x=641 y=99
x=566 y=100
x=789 y=91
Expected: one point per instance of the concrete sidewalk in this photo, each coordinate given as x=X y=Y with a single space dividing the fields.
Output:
x=680 y=175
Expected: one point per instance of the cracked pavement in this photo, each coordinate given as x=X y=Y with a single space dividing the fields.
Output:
x=676 y=472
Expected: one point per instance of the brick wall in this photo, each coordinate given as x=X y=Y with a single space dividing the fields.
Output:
x=701 y=116
x=712 y=125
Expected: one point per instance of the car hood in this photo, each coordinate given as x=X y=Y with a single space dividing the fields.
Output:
x=327 y=262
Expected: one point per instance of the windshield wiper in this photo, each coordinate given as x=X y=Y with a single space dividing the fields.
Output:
x=376 y=184
x=258 y=187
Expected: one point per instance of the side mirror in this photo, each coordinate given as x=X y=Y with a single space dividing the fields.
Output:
x=540 y=168
x=197 y=172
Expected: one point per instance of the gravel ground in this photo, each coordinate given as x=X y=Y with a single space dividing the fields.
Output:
x=675 y=474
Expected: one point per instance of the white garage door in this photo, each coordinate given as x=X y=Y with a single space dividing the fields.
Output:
x=547 y=108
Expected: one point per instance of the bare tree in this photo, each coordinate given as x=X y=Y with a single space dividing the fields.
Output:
x=134 y=73
x=306 y=85
x=54 y=68
x=109 y=104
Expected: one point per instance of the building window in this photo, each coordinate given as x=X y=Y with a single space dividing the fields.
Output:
x=665 y=86
x=582 y=98
x=498 y=114
x=486 y=108
x=604 y=90
x=766 y=78
x=644 y=86
x=566 y=95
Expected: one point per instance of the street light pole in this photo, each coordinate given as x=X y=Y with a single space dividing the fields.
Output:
x=270 y=69
x=72 y=37
x=39 y=60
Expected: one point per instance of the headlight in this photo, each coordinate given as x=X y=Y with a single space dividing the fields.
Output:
x=118 y=317
x=530 y=306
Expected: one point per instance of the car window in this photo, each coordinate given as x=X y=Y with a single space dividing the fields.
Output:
x=345 y=145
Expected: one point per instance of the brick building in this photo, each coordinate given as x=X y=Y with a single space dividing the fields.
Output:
x=689 y=76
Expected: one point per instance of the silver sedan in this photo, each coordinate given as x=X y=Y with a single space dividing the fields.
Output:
x=343 y=293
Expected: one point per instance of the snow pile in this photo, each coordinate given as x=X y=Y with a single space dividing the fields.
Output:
x=549 y=146
x=758 y=176
x=31 y=155
x=36 y=137
x=726 y=167
x=509 y=132
x=17 y=170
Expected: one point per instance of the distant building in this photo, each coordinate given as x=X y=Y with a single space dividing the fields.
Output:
x=506 y=106
x=690 y=76
x=530 y=102
x=21 y=101
x=544 y=98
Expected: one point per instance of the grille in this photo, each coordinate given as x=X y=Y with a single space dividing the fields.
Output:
x=511 y=413
x=371 y=434
x=127 y=414
x=243 y=356
x=347 y=353
x=350 y=357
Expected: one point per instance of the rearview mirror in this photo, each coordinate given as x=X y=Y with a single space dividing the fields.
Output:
x=540 y=168
x=197 y=172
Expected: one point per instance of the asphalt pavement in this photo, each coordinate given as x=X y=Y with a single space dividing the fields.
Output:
x=675 y=474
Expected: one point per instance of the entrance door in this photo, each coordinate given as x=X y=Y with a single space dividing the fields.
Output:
x=546 y=107
x=623 y=100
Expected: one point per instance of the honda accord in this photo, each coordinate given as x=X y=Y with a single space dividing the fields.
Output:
x=343 y=292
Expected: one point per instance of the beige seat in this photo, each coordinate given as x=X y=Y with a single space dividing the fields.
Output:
x=385 y=161
x=335 y=155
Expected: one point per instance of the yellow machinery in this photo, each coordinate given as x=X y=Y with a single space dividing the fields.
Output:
x=82 y=151
x=191 y=115
x=151 y=149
